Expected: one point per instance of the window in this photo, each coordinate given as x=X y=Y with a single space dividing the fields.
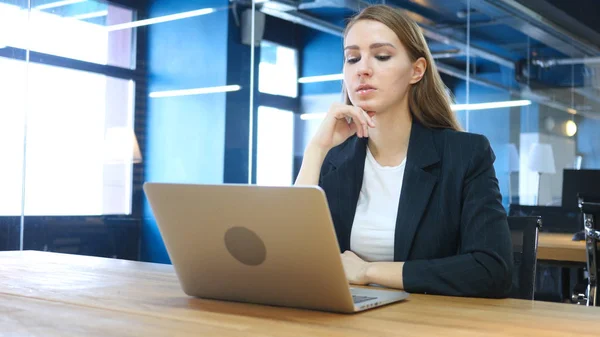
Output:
x=72 y=164
x=274 y=162
x=66 y=126
x=75 y=29
x=278 y=74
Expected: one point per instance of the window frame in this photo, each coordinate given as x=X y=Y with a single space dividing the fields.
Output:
x=277 y=102
x=136 y=73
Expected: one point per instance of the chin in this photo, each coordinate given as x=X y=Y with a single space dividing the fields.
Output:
x=365 y=105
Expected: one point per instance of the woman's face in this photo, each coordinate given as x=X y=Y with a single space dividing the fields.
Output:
x=377 y=68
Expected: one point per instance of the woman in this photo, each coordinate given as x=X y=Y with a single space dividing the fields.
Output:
x=415 y=201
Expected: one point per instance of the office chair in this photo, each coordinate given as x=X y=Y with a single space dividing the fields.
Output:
x=590 y=208
x=524 y=232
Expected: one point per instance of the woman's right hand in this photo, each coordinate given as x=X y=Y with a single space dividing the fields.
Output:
x=335 y=128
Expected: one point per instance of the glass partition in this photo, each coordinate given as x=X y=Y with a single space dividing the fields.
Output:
x=524 y=83
x=549 y=73
x=13 y=104
x=101 y=97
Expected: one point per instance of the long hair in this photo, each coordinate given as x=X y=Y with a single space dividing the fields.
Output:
x=428 y=100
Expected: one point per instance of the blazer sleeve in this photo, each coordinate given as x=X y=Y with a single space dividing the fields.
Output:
x=484 y=263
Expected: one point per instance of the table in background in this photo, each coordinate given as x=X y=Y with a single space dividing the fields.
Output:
x=560 y=247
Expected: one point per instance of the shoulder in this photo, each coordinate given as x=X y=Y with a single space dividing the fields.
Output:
x=461 y=144
x=463 y=151
x=344 y=152
x=462 y=139
x=339 y=150
x=347 y=154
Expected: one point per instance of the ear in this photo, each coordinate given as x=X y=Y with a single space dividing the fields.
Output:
x=419 y=68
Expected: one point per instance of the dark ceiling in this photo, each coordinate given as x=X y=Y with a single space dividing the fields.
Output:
x=504 y=35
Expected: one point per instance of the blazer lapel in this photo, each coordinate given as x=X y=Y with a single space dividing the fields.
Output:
x=417 y=185
x=350 y=166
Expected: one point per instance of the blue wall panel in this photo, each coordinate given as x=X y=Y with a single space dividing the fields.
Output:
x=185 y=135
x=322 y=55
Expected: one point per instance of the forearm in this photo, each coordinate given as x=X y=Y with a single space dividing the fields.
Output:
x=387 y=274
x=311 y=166
x=475 y=274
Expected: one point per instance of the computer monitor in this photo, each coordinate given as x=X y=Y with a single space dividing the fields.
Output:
x=575 y=182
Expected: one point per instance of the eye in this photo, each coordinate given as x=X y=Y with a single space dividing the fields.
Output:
x=352 y=60
x=383 y=57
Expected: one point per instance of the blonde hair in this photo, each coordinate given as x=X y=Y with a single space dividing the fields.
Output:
x=428 y=100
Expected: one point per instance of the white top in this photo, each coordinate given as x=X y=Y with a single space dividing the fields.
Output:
x=372 y=237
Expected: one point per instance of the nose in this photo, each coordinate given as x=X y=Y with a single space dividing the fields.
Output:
x=364 y=68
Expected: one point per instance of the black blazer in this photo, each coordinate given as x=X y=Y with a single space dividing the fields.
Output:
x=451 y=228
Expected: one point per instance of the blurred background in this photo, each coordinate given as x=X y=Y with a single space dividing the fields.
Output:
x=98 y=97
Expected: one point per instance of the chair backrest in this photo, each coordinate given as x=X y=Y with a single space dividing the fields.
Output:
x=556 y=218
x=524 y=231
x=590 y=207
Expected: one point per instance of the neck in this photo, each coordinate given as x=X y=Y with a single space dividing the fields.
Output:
x=388 y=141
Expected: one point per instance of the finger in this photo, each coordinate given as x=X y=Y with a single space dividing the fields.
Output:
x=357 y=125
x=361 y=115
x=353 y=128
x=344 y=111
x=365 y=123
x=351 y=253
x=360 y=125
x=364 y=131
x=361 y=129
x=353 y=115
x=356 y=114
x=369 y=119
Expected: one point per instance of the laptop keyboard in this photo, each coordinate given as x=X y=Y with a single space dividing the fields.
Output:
x=359 y=299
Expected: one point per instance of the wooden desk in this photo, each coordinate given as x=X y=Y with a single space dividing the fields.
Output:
x=560 y=247
x=66 y=295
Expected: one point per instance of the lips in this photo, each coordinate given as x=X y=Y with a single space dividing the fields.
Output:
x=364 y=87
x=365 y=90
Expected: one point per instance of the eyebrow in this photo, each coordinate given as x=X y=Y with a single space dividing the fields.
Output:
x=373 y=46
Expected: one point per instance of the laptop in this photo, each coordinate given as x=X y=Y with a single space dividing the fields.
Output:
x=258 y=244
